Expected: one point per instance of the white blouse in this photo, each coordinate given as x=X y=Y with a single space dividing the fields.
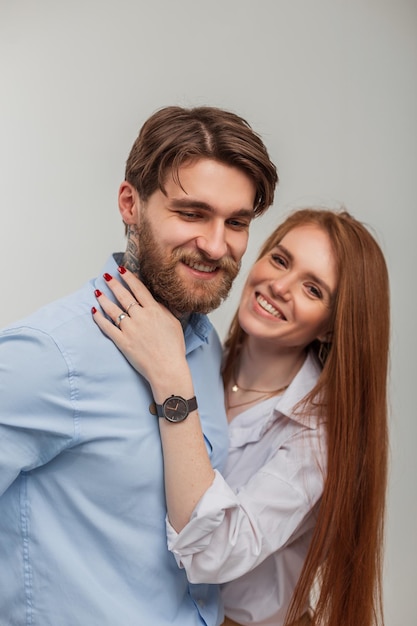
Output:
x=251 y=529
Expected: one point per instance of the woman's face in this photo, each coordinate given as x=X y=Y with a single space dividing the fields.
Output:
x=288 y=296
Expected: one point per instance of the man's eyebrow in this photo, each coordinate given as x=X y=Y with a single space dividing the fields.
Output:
x=190 y=203
x=316 y=279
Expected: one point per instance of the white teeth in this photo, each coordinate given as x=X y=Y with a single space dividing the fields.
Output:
x=202 y=268
x=268 y=307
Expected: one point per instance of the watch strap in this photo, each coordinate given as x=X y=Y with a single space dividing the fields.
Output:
x=158 y=409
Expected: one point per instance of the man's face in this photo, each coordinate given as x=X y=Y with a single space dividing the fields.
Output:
x=192 y=238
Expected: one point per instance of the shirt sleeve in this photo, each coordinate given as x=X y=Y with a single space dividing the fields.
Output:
x=230 y=533
x=36 y=411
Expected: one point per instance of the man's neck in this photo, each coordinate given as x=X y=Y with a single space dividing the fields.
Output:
x=183 y=318
x=130 y=257
x=130 y=262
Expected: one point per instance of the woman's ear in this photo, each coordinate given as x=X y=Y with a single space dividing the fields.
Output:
x=129 y=203
x=326 y=337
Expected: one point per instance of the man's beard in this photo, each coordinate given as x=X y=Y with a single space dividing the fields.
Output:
x=159 y=275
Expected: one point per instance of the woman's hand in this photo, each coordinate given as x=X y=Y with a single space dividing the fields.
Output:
x=148 y=335
x=152 y=340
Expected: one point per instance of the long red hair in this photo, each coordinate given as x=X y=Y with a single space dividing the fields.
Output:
x=346 y=551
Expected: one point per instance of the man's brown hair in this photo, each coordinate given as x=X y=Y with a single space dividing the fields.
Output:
x=174 y=135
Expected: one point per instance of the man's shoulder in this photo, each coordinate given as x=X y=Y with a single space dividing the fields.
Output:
x=56 y=314
x=65 y=311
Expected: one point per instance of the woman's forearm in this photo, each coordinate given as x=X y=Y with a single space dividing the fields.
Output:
x=153 y=342
x=187 y=468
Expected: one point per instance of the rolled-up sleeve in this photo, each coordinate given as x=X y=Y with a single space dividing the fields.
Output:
x=230 y=532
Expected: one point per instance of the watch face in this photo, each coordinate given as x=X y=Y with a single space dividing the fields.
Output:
x=175 y=409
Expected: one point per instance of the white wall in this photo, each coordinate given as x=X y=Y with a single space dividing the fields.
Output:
x=330 y=85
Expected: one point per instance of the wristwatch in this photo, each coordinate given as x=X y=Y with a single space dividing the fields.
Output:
x=174 y=409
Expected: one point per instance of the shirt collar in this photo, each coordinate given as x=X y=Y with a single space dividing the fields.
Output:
x=303 y=382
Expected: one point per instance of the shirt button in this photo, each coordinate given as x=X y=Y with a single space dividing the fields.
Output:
x=201 y=604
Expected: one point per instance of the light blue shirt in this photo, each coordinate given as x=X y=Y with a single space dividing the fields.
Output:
x=82 y=507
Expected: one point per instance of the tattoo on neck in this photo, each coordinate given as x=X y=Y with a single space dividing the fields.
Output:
x=131 y=256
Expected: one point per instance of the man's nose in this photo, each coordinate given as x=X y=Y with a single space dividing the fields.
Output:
x=212 y=242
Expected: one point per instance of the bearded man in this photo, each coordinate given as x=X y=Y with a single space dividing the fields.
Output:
x=82 y=505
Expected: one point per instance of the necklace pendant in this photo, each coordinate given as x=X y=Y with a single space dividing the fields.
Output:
x=235 y=388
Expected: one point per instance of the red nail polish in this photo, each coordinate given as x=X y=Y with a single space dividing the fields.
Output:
x=93 y=310
x=122 y=269
x=97 y=293
x=107 y=277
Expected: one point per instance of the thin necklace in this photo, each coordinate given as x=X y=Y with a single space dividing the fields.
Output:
x=237 y=387
x=266 y=394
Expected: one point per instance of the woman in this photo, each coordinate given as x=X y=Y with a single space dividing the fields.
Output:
x=301 y=503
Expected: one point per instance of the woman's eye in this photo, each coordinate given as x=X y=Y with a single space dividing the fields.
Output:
x=314 y=291
x=279 y=260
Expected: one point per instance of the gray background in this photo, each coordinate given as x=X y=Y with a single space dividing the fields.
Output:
x=331 y=87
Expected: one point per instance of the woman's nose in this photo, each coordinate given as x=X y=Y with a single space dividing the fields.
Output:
x=281 y=287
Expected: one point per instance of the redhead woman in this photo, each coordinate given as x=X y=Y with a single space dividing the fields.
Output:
x=300 y=503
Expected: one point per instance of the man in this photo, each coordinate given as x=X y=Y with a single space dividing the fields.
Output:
x=82 y=507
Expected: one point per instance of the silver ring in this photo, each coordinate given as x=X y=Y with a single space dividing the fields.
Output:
x=120 y=318
x=130 y=305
